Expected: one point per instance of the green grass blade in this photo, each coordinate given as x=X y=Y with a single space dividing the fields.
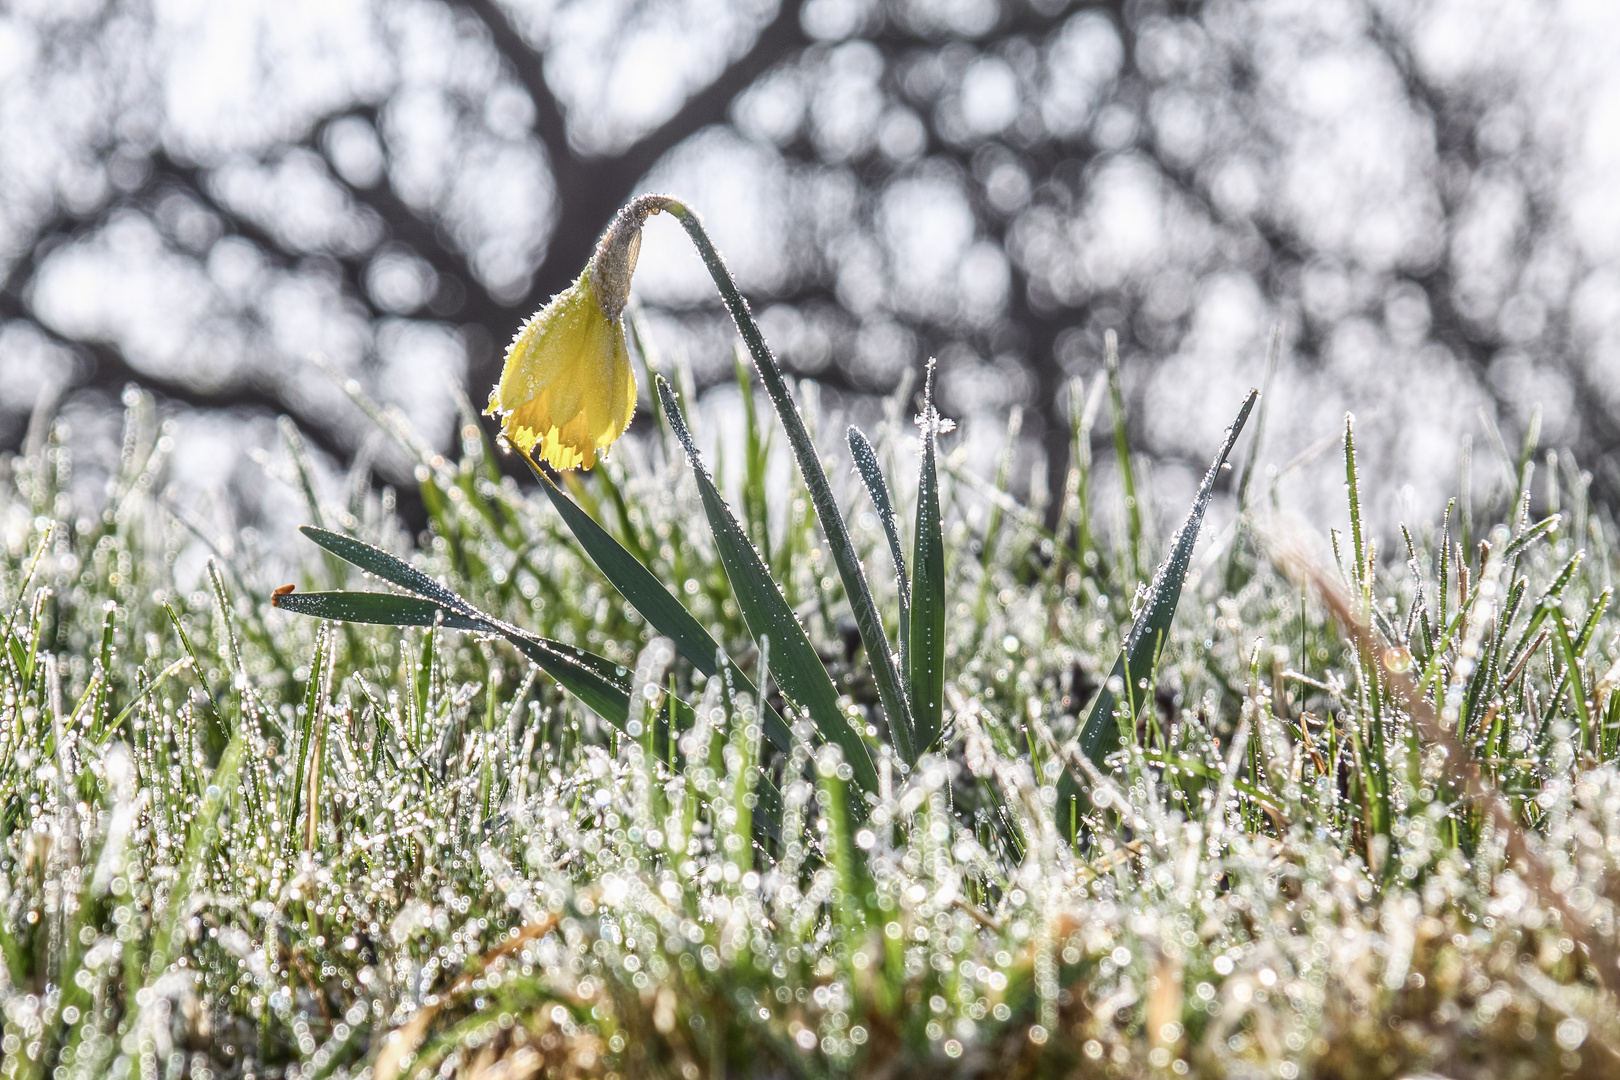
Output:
x=218 y=789
x=756 y=448
x=1589 y=628
x=867 y=620
x=27 y=580
x=294 y=441
x=1273 y=355
x=1237 y=567
x=798 y=669
x=1122 y=448
x=1361 y=575
x=214 y=725
x=1572 y=662
x=1531 y=535
x=1547 y=604
x=378 y=608
x=927 y=667
x=315 y=691
x=1525 y=467
x=1100 y=734
x=866 y=462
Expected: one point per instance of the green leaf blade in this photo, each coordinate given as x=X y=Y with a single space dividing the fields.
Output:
x=376 y=561
x=866 y=463
x=657 y=604
x=376 y=608
x=927 y=636
x=867 y=620
x=591 y=678
x=597 y=681
x=1100 y=734
x=797 y=668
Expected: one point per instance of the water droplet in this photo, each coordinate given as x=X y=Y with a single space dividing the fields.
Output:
x=1398 y=659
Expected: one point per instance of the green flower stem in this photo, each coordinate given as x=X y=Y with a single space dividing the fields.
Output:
x=815 y=479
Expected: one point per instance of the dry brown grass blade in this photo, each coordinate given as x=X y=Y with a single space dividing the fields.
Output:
x=1461 y=768
x=402 y=1042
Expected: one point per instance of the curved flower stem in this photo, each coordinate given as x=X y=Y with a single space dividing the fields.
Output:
x=870 y=624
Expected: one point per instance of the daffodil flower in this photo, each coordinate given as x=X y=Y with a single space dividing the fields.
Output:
x=567 y=390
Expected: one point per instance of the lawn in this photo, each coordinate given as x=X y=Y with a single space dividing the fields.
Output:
x=1031 y=789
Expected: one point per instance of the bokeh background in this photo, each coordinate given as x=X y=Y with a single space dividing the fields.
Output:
x=209 y=201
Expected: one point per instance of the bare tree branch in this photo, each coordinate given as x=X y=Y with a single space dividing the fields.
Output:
x=591 y=190
x=109 y=370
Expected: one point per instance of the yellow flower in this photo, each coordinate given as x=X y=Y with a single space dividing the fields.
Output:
x=567 y=390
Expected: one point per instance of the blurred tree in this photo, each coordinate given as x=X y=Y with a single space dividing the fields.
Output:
x=195 y=202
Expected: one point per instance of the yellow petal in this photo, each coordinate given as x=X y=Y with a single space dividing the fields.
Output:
x=568 y=389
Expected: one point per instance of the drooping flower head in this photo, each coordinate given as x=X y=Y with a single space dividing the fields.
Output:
x=567 y=390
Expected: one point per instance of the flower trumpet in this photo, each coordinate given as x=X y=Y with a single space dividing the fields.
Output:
x=567 y=390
